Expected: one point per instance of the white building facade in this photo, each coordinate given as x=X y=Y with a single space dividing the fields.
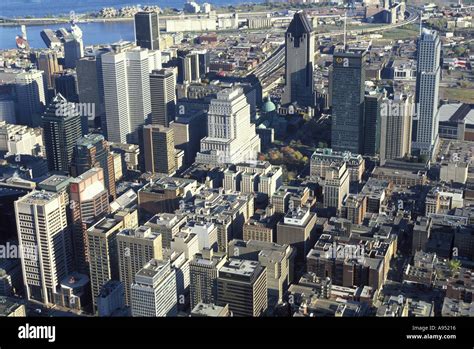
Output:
x=231 y=136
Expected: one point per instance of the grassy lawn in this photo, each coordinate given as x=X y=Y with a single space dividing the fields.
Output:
x=410 y=31
x=463 y=95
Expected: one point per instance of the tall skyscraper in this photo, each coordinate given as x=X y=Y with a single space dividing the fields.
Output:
x=348 y=79
x=242 y=284
x=396 y=128
x=92 y=151
x=190 y=68
x=153 y=293
x=163 y=96
x=372 y=123
x=62 y=128
x=47 y=250
x=204 y=59
x=31 y=98
x=91 y=85
x=65 y=83
x=192 y=65
x=158 y=149
x=428 y=75
x=147 y=30
x=135 y=248
x=203 y=271
x=127 y=92
x=231 y=137
x=114 y=69
x=47 y=61
x=88 y=203
x=299 y=62
x=103 y=248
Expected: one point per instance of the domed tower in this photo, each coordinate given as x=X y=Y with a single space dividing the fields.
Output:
x=268 y=107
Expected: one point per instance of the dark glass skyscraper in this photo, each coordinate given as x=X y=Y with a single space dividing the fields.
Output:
x=299 y=62
x=372 y=124
x=348 y=78
x=163 y=96
x=91 y=84
x=147 y=31
x=65 y=83
x=62 y=128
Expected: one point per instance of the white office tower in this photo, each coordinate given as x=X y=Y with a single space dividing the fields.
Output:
x=396 y=126
x=127 y=91
x=154 y=291
x=427 y=85
x=231 y=137
x=45 y=243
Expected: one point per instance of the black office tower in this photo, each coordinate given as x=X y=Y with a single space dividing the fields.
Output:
x=147 y=31
x=91 y=85
x=299 y=62
x=62 y=129
x=65 y=83
x=163 y=96
x=372 y=124
x=348 y=78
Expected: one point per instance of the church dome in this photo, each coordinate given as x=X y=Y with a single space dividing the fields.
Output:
x=268 y=106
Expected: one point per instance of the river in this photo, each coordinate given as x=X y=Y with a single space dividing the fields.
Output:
x=94 y=32
x=42 y=8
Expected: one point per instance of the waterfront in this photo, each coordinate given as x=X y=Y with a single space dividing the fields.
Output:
x=45 y=8
x=94 y=33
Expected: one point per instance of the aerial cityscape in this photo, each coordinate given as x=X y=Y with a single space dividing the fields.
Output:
x=280 y=158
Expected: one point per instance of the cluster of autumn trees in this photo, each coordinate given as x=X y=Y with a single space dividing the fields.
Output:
x=285 y=155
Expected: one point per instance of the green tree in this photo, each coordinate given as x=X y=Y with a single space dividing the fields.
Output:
x=459 y=50
x=454 y=266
